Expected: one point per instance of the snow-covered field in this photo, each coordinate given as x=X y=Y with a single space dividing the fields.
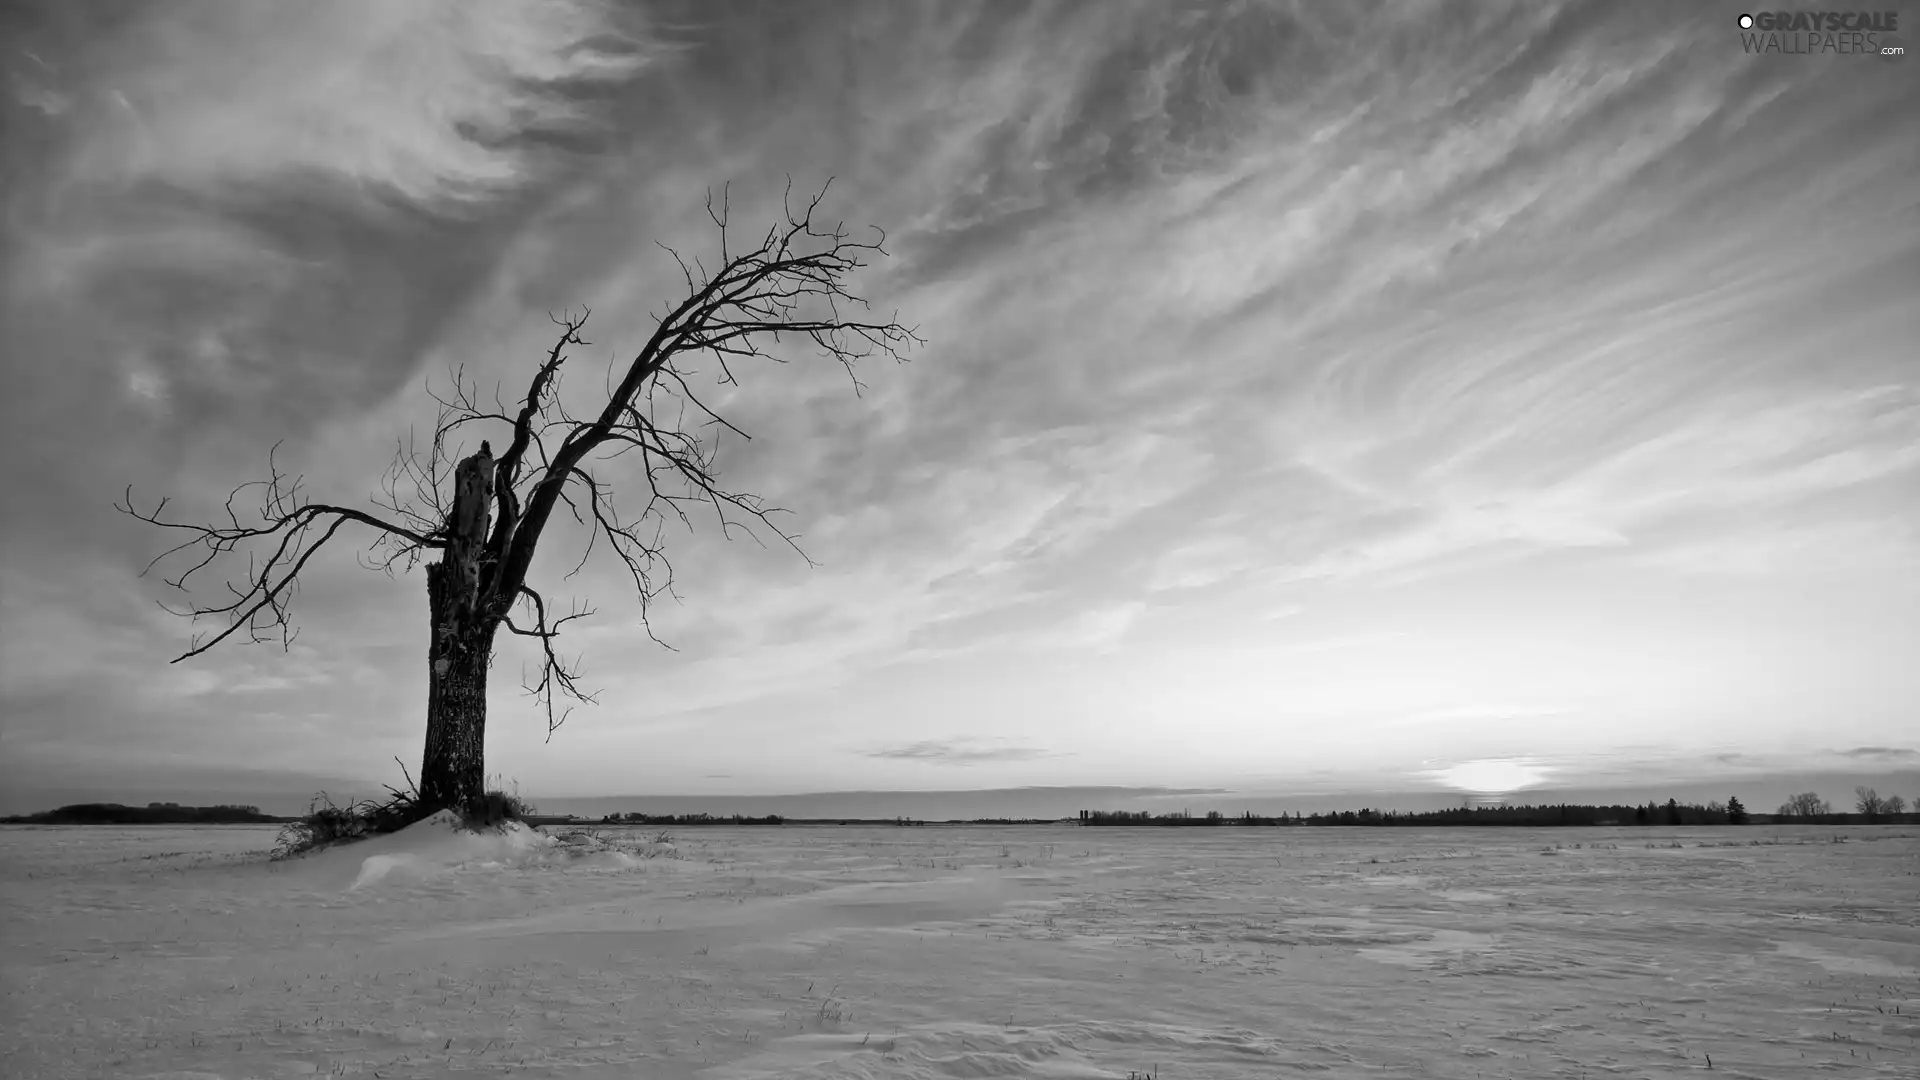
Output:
x=965 y=952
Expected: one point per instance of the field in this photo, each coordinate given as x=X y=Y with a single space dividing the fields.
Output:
x=1051 y=952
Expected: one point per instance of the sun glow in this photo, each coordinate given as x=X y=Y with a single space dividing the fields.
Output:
x=1494 y=777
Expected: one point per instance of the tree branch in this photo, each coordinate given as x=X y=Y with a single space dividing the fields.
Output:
x=754 y=299
x=289 y=523
x=554 y=672
x=794 y=286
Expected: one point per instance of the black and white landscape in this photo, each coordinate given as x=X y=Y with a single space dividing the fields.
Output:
x=501 y=415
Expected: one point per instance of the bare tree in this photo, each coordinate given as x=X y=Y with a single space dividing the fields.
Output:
x=1868 y=801
x=1805 y=804
x=485 y=516
x=1893 y=804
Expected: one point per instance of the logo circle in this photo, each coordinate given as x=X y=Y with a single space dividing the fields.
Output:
x=1746 y=22
x=1892 y=48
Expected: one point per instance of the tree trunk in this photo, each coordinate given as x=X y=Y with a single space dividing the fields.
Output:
x=453 y=766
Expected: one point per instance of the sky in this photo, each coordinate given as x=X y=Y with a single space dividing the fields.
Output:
x=1367 y=397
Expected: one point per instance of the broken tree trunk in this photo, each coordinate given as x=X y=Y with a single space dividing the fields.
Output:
x=453 y=766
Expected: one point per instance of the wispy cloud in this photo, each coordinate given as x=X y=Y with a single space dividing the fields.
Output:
x=1483 y=712
x=433 y=103
x=1882 y=753
x=1298 y=373
x=957 y=751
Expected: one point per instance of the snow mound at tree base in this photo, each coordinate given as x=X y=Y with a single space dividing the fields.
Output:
x=438 y=845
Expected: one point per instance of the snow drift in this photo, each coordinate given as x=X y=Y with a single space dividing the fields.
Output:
x=938 y=954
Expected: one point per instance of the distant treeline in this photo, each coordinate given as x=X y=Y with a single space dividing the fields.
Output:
x=776 y=819
x=150 y=814
x=691 y=819
x=972 y=821
x=1560 y=814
